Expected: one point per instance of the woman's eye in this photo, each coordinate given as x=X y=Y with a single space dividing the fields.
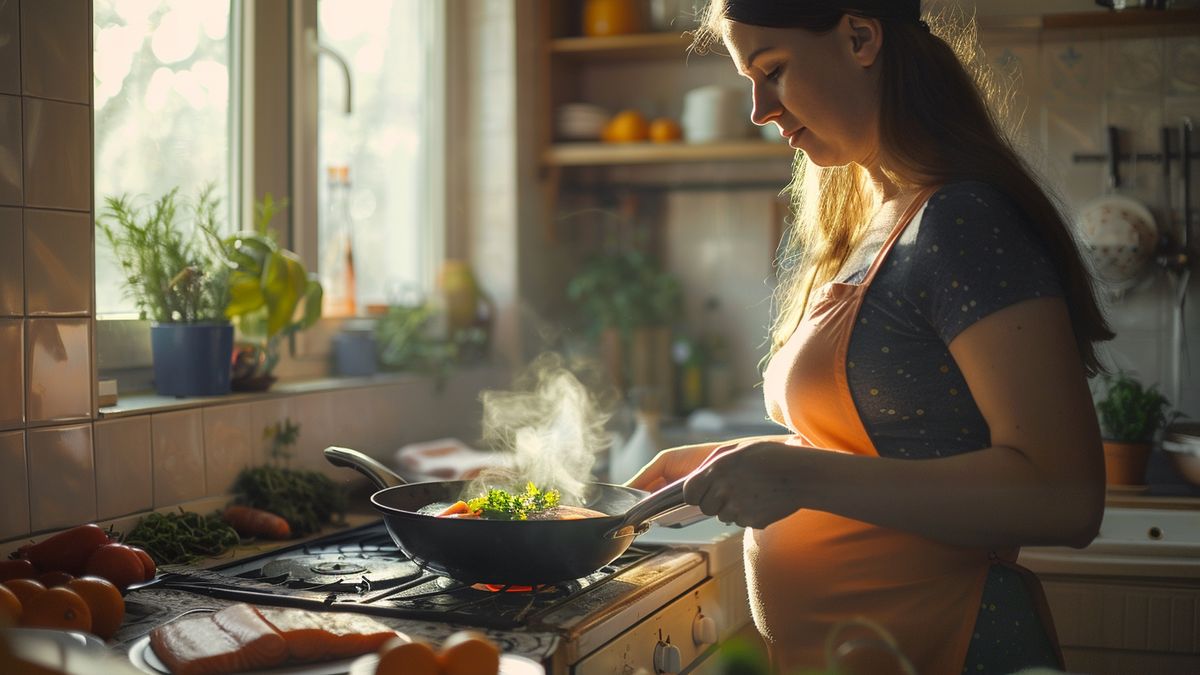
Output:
x=773 y=76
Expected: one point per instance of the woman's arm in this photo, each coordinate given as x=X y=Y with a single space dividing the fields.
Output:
x=672 y=464
x=1040 y=483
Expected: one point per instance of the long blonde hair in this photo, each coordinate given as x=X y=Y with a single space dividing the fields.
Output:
x=940 y=121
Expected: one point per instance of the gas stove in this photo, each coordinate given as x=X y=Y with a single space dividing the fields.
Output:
x=564 y=626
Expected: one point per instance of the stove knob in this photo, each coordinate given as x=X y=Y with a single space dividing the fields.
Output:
x=667 y=659
x=704 y=630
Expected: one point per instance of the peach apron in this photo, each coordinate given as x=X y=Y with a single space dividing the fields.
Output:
x=813 y=569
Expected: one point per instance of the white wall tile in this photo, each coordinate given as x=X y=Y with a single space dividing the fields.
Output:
x=1183 y=65
x=14 y=486
x=59 y=370
x=12 y=373
x=58 y=154
x=1072 y=71
x=62 y=477
x=124 y=478
x=11 y=163
x=1134 y=67
x=229 y=442
x=10 y=47
x=12 y=267
x=58 y=262
x=56 y=49
x=178 y=452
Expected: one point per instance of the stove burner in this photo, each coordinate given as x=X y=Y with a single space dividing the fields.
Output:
x=336 y=569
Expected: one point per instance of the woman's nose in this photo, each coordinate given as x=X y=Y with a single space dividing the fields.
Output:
x=766 y=106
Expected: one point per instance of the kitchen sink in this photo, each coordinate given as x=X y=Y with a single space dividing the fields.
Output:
x=1156 y=532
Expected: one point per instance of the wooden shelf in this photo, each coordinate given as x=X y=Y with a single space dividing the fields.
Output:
x=623 y=47
x=1129 y=18
x=599 y=154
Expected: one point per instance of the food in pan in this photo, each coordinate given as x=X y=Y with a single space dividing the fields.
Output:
x=241 y=637
x=533 y=504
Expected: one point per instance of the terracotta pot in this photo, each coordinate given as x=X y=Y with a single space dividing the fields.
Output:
x=1125 y=463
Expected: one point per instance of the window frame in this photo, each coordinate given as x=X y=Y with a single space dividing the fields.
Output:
x=275 y=151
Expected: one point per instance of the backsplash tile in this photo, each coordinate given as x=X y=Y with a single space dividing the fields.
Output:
x=56 y=49
x=1135 y=67
x=124 y=476
x=12 y=269
x=1183 y=66
x=228 y=445
x=58 y=154
x=11 y=162
x=62 y=477
x=10 y=47
x=12 y=373
x=58 y=262
x=178 y=451
x=1072 y=71
x=59 y=370
x=265 y=414
x=14 y=485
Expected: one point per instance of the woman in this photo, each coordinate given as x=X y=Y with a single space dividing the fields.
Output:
x=935 y=332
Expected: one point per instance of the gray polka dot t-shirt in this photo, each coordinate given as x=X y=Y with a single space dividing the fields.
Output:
x=970 y=254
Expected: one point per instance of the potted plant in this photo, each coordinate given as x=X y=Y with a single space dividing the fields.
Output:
x=630 y=302
x=271 y=297
x=1130 y=414
x=178 y=281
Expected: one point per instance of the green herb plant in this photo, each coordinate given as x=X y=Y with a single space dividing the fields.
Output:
x=408 y=340
x=271 y=294
x=1130 y=412
x=180 y=538
x=625 y=290
x=172 y=273
x=306 y=499
x=500 y=504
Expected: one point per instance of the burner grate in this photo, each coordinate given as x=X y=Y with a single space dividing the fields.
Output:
x=362 y=570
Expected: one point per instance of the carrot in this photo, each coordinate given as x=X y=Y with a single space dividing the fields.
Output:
x=455 y=508
x=252 y=522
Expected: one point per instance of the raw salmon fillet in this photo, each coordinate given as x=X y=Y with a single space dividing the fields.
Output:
x=259 y=644
x=316 y=636
x=197 y=647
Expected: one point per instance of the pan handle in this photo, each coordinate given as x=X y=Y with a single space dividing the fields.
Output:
x=379 y=474
x=637 y=519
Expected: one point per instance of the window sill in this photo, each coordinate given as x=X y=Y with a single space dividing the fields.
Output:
x=145 y=403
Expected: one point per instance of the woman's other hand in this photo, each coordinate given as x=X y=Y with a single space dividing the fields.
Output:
x=670 y=465
x=753 y=483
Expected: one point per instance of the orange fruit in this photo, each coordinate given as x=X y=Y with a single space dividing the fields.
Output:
x=400 y=656
x=25 y=589
x=52 y=579
x=628 y=126
x=10 y=608
x=58 y=607
x=105 y=602
x=469 y=653
x=665 y=130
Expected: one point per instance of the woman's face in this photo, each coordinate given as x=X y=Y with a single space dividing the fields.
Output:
x=821 y=90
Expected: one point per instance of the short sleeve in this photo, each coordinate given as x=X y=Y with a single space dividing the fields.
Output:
x=974 y=254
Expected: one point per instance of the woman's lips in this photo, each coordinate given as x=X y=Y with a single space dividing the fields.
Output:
x=793 y=137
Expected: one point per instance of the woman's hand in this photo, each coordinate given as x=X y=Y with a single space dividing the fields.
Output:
x=753 y=483
x=670 y=465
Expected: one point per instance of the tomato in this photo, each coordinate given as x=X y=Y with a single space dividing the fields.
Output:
x=148 y=566
x=52 y=579
x=67 y=551
x=117 y=563
x=16 y=569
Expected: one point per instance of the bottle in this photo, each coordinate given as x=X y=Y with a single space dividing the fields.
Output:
x=690 y=382
x=337 y=260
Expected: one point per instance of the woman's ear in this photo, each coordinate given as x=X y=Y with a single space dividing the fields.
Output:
x=866 y=38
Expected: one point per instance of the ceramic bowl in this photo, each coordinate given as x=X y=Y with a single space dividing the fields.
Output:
x=1181 y=442
x=1120 y=235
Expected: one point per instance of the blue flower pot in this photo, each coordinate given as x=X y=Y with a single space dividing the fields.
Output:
x=191 y=359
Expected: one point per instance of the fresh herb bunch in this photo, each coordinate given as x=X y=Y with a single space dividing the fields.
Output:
x=407 y=341
x=1130 y=412
x=180 y=538
x=624 y=291
x=500 y=504
x=306 y=499
x=173 y=274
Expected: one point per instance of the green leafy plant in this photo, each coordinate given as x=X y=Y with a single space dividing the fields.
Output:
x=407 y=340
x=271 y=294
x=1130 y=412
x=624 y=291
x=172 y=274
x=500 y=504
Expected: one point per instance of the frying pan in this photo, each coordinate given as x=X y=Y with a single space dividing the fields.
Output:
x=507 y=552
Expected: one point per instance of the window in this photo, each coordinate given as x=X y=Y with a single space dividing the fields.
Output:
x=390 y=141
x=164 y=90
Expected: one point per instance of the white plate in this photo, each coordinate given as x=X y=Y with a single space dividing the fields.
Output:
x=510 y=664
x=143 y=657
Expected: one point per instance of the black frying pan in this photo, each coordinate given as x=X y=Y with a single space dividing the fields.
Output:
x=516 y=552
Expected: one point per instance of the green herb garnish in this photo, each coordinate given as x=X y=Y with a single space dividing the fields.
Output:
x=173 y=538
x=500 y=504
